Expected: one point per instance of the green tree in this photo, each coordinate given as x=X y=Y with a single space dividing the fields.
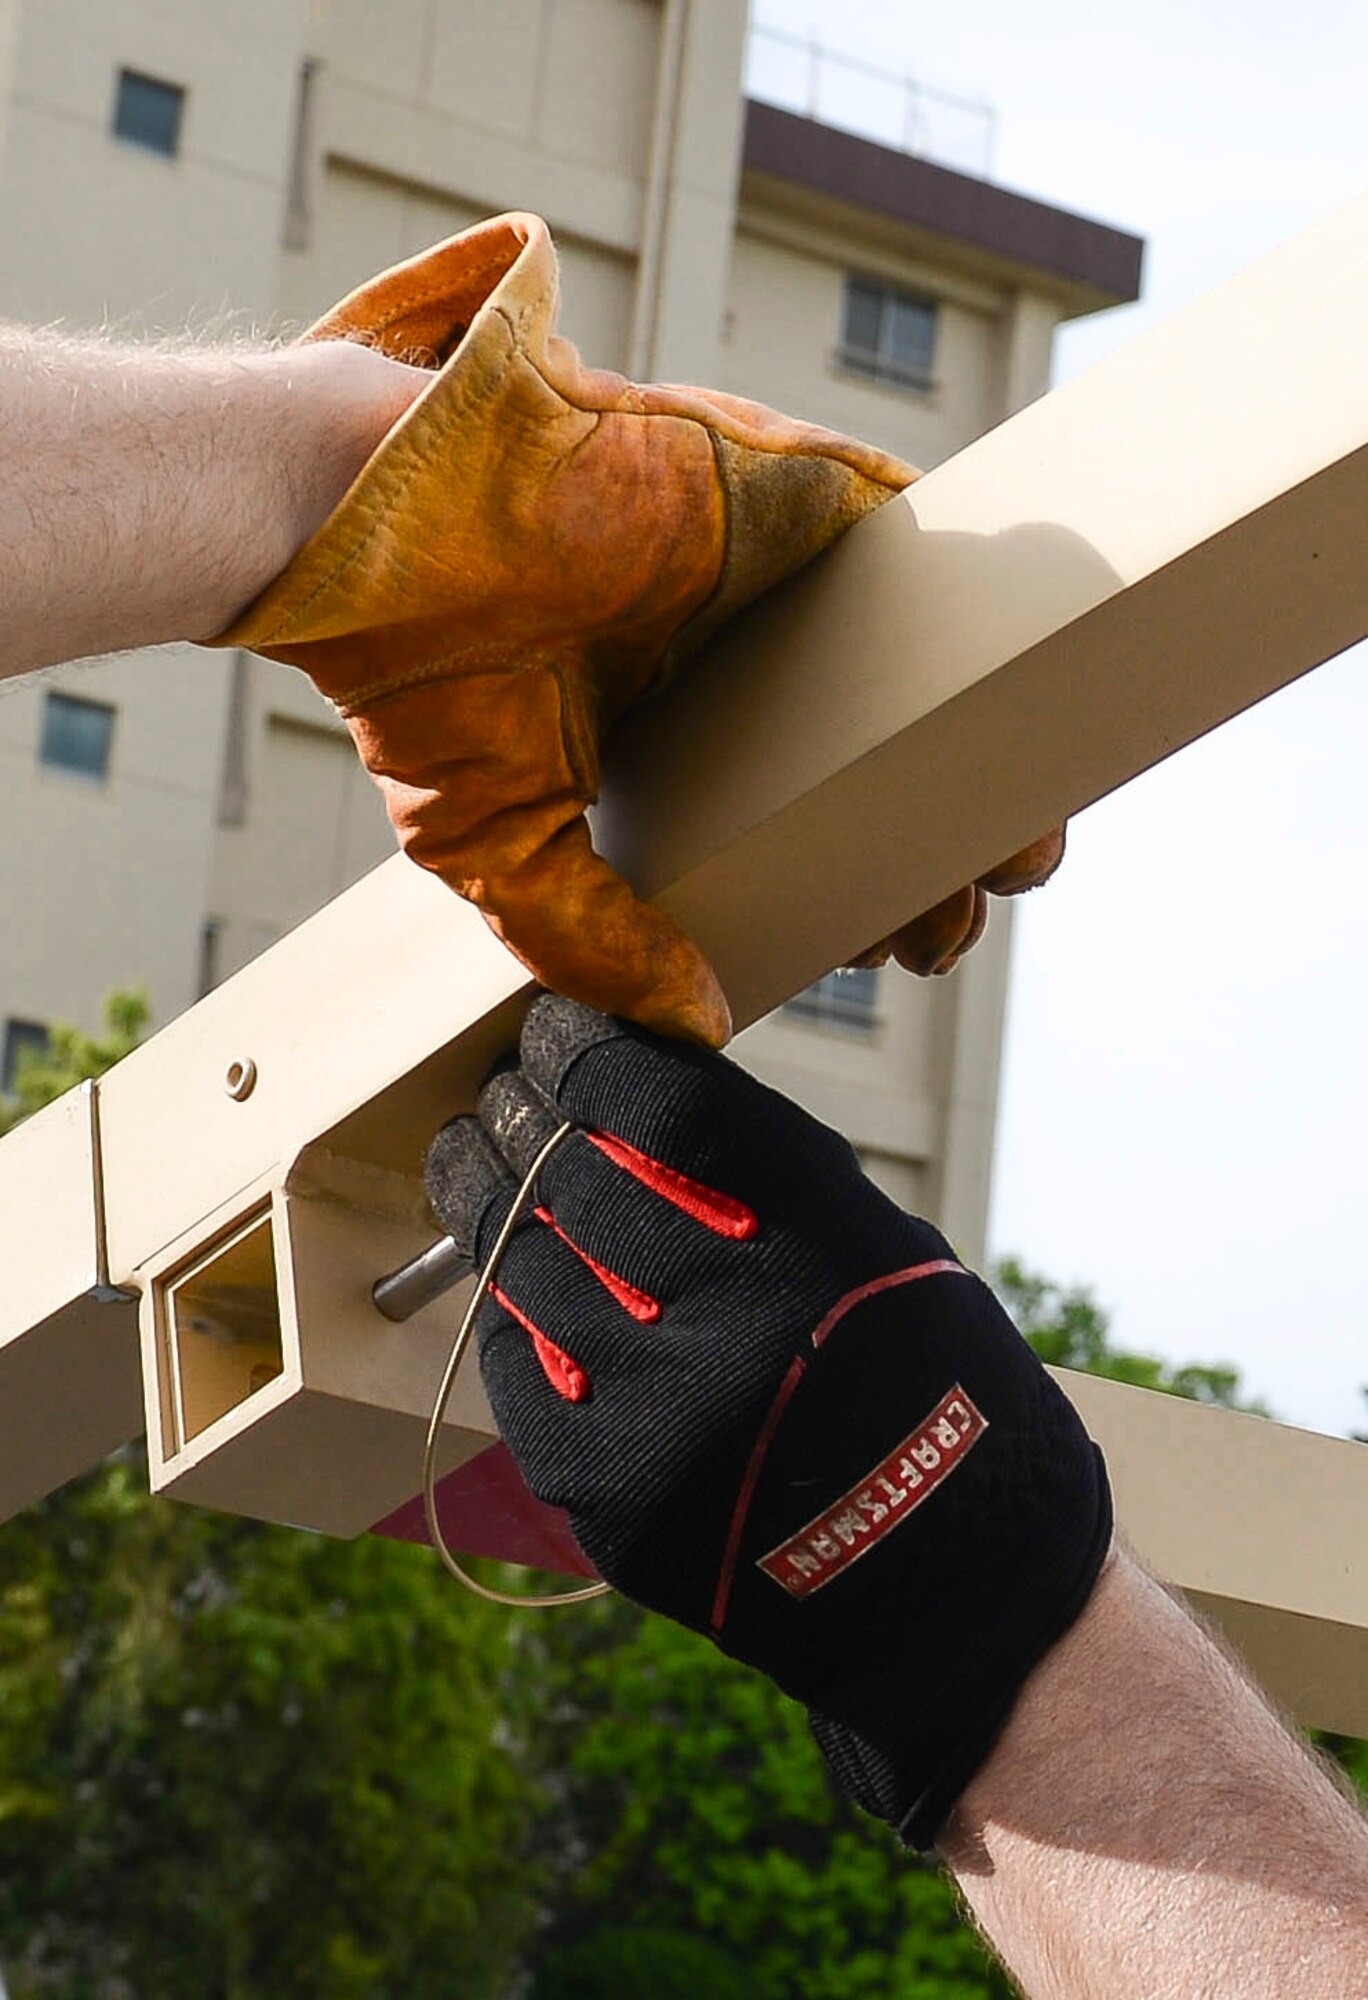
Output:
x=616 y=1961
x=1068 y=1329
x=72 y=1056
x=692 y=1800
x=243 y=1760
x=240 y=1760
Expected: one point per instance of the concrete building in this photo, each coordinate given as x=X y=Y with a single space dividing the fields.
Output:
x=166 y=163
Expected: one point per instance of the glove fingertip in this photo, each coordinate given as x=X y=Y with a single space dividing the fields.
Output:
x=1030 y=867
x=701 y=1016
x=464 y=1172
x=517 y=1118
x=556 y=1033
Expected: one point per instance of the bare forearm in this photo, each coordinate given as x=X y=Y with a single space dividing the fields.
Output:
x=1146 y=1828
x=147 y=495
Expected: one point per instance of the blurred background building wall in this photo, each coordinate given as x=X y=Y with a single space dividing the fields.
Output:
x=174 y=165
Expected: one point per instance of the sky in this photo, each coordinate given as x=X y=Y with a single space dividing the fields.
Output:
x=1184 y=1116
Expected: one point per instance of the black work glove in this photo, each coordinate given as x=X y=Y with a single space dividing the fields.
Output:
x=774 y=1407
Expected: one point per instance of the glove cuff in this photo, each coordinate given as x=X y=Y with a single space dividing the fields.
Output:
x=880 y=1749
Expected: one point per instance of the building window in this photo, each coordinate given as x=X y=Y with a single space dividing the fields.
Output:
x=19 y=1036
x=148 y=112
x=888 y=334
x=77 y=735
x=841 y=1000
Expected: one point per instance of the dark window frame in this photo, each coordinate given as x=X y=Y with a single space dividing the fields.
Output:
x=847 y=999
x=59 y=703
x=149 y=112
x=19 y=1036
x=211 y=940
x=896 y=309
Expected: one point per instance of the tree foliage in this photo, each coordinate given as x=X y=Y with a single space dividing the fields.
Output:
x=240 y=1760
x=1068 y=1329
x=72 y=1056
x=691 y=1799
x=618 y=1959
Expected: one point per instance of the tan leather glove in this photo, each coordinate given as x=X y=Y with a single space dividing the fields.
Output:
x=534 y=546
x=936 y=941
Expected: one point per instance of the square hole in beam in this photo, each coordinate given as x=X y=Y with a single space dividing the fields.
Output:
x=221 y=1317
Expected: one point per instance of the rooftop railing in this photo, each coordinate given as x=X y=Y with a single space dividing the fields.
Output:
x=798 y=73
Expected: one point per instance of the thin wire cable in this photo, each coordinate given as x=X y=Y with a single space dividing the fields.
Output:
x=439 y=1408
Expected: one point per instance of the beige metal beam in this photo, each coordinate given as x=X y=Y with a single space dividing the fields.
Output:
x=1263 y=1527
x=70 y=1385
x=1118 y=569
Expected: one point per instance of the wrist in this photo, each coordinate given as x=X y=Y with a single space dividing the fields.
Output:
x=1147 y=1824
x=308 y=418
x=909 y=1764
x=1064 y=1700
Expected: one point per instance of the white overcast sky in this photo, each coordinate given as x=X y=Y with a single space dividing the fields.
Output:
x=1185 y=1108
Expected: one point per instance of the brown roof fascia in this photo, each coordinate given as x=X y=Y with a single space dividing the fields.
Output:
x=924 y=196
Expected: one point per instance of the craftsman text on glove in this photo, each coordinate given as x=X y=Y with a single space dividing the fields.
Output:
x=896 y=1487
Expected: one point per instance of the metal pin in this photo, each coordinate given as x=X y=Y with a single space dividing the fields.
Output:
x=424 y=1278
